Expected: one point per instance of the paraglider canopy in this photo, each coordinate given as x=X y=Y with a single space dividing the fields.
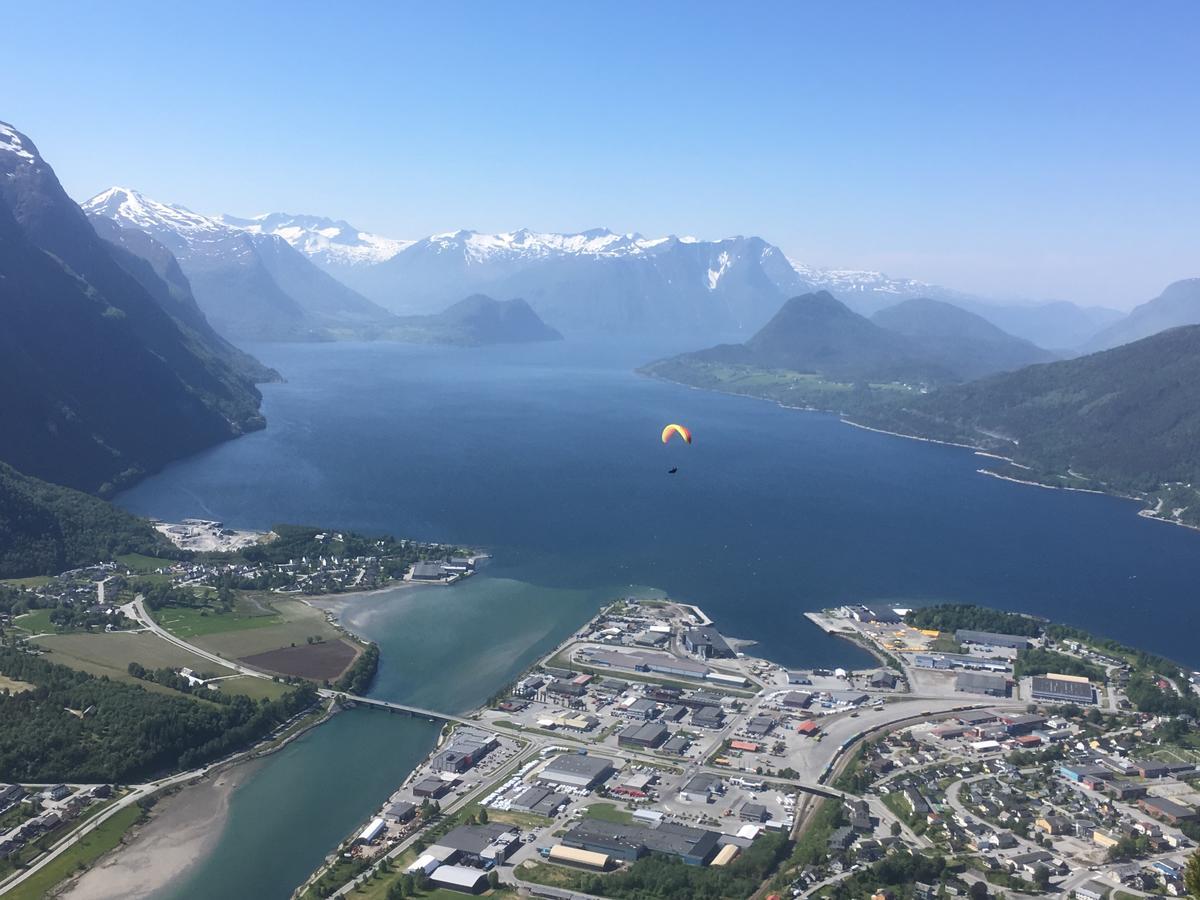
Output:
x=676 y=429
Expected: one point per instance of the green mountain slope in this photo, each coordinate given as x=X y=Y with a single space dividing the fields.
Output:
x=1127 y=418
x=46 y=529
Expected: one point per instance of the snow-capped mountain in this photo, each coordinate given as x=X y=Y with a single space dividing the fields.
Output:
x=251 y=285
x=592 y=281
x=331 y=243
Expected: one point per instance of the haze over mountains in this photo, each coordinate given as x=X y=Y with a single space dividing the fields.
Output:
x=602 y=282
x=917 y=341
x=1178 y=304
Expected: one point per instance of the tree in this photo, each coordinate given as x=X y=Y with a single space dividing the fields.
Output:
x=1191 y=875
x=896 y=829
x=978 y=890
x=397 y=891
x=483 y=816
x=493 y=879
x=1041 y=877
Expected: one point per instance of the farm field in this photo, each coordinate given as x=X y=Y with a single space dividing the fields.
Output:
x=110 y=654
x=325 y=660
x=287 y=621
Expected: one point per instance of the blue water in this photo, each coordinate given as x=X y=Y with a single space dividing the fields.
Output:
x=549 y=456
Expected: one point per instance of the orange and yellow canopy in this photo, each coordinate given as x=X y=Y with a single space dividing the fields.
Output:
x=676 y=429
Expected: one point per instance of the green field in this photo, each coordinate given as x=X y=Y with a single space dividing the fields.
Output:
x=290 y=622
x=111 y=654
x=81 y=855
x=187 y=622
x=254 y=688
x=141 y=564
x=36 y=622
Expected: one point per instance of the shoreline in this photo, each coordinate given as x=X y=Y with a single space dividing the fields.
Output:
x=1146 y=512
x=181 y=831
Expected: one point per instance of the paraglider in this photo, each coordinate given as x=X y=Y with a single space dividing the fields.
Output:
x=673 y=429
x=669 y=432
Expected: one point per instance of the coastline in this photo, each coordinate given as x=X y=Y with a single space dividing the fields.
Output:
x=1146 y=512
x=181 y=831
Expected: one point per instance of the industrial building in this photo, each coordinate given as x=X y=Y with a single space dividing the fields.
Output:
x=646 y=661
x=1062 y=689
x=431 y=787
x=1168 y=810
x=400 y=812
x=883 y=680
x=708 y=717
x=695 y=846
x=992 y=639
x=640 y=708
x=708 y=643
x=573 y=856
x=677 y=744
x=796 y=699
x=460 y=878
x=701 y=788
x=478 y=845
x=467 y=746
x=642 y=735
x=981 y=683
x=576 y=771
x=539 y=801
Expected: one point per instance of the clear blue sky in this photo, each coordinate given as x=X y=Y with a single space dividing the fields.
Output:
x=1015 y=149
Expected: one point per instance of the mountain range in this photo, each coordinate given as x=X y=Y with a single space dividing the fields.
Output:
x=251 y=285
x=599 y=281
x=108 y=370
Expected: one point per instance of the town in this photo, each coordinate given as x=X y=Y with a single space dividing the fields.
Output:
x=648 y=736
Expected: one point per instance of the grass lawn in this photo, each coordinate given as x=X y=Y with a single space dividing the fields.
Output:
x=81 y=855
x=36 y=622
x=609 y=812
x=187 y=622
x=254 y=688
x=142 y=564
x=111 y=654
x=548 y=873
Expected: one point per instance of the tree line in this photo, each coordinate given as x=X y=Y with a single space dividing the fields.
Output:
x=77 y=727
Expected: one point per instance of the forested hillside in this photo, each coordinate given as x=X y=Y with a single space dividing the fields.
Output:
x=119 y=732
x=46 y=529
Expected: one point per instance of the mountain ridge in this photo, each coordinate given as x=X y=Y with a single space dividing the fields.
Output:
x=105 y=380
